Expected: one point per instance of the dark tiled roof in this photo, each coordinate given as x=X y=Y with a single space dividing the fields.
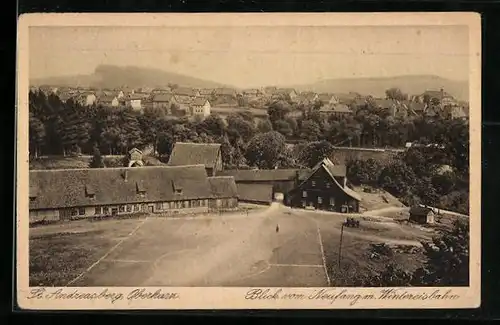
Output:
x=107 y=99
x=199 y=101
x=435 y=94
x=384 y=103
x=420 y=211
x=335 y=108
x=194 y=153
x=183 y=100
x=284 y=90
x=225 y=92
x=417 y=107
x=67 y=188
x=223 y=186
x=255 y=192
x=162 y=97
x=347 y=98
x=136 y=96
x=185 y=92
x=309 y=95
x=325 y=97
x=261 y=175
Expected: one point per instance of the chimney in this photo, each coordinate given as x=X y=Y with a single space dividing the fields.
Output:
x=125 y=175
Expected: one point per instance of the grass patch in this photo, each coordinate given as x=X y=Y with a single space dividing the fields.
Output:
x=359 y=259
x=59 y=253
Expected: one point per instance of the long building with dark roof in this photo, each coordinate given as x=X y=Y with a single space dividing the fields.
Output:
x=78 y=193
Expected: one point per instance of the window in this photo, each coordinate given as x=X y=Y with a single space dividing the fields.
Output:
x=313 y=183
x=304 y=194
x=136 y=207
x=193 y=203
x=320 y=200
x=122 y=208
x=159 y=206
x=97 y=210
x=129 y=208
x=332 y=201
x=32 y=199
x=327 y=184
x=304 y=203
x=74 y=212
x=105 y=210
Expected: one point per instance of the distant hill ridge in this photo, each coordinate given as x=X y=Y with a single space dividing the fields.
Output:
x=411 y=84
x=109 y=76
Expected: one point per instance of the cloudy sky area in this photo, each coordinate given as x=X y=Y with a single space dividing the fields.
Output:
x=255 y=56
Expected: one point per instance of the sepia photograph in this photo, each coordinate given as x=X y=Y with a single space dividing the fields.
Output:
x=236 y=153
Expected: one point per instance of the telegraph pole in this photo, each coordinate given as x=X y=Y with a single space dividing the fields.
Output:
x=340 y=245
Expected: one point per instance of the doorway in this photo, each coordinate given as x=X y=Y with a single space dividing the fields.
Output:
x=151 y=209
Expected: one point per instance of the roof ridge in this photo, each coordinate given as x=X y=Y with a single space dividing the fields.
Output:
x=198 y=143
x=117 y=168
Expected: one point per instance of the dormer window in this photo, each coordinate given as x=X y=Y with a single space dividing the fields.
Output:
x=177 y=188
x=89 y=191
x=33 y=194
x=141 y=190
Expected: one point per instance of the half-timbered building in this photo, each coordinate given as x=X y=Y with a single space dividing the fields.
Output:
x=325 y=188
x=95 y=192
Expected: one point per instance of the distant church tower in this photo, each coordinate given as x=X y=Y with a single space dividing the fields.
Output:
x=135 y=158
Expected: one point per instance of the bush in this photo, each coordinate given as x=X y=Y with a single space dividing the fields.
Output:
x=447 y=263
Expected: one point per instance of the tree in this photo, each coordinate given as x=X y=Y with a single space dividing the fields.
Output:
x=96 y=161
x=398 y=179
x=264 y=126
x=364 y=171
x=36 y=134
x=213 y=125
x=266 y=149
x=447 y=263
x=130 y=130
x=309 y=130
x=278 y=110
x=239 y=127
x=314 y=152
x=283 y=127
x=447 y=258
x=395 y=93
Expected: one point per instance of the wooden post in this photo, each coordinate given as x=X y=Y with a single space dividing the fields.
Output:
x=340 y=245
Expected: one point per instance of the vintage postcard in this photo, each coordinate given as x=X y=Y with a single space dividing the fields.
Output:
x=248 y=161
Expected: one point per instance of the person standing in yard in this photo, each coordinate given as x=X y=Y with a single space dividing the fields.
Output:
x=277 y=228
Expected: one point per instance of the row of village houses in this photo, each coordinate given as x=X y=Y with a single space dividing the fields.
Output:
x=193 y=182
x=183 y=101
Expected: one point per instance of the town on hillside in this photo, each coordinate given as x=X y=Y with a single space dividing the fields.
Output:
x=179 y=101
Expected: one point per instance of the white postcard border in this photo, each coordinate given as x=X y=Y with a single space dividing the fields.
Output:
x=237 y=298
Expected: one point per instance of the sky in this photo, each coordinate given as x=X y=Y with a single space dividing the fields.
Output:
x=255 y=56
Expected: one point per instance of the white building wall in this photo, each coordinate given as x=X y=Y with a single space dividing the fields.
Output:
x=206 y=109
x=43 y=215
